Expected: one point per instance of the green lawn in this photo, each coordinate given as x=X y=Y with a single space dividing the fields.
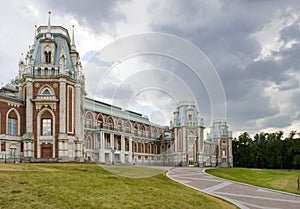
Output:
x=75 y=185
x=273 y=179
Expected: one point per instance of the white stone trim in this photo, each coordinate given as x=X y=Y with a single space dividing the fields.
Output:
x=68 y=108
x=42 y=138
x=62 y=106
x=44 y=87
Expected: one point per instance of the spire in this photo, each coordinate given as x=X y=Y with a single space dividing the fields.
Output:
x=73 y=47
x=49 y=27
x=34 y=38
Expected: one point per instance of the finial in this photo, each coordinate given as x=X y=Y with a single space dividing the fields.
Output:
x=49 y=26
x=73 y=38
x=21 y=58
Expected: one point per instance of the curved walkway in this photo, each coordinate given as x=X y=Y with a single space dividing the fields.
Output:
x=242 y=195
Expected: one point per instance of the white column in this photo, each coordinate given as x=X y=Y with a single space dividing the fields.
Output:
x=102 y=148
x=112 y=144
x=175 y=141
x=112 y=140
x=62 y=106
x=184 y=145
x=200 y=146
x=130 y=150
x=78 y=113
x=29 y=107
x=230 y=152
x=122 y=149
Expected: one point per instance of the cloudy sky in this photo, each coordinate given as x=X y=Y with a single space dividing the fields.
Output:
x=253 y=48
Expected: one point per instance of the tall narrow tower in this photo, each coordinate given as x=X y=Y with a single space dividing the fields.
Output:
x=188 y=131
x=221 y=137
x=52 y=85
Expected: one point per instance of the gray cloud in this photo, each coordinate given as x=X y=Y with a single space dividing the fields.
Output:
x=94 y=14
x=225 y=32
x=260 y=93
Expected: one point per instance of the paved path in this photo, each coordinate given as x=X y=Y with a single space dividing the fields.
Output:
x=244 y=196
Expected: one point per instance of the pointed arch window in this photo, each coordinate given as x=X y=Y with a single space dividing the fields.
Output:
x=128 y=127
x=110 y=124
x=100 y=122
x=46 y=92
x=88 y=121
x=47 y=57
x=12 y=123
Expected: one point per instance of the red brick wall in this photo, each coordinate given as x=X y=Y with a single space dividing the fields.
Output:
x=4 y=108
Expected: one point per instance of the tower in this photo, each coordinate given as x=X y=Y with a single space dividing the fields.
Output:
x=51 y=83
x=187 y=129
x=221 y=137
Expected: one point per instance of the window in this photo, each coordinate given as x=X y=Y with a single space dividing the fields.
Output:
x=3 y=146
x=128 y=127
x=110 y=124
x=46 y=127
x=100 y=122
x=47 y=57
x=46 y=92
x=12 y=126
x=88 y=121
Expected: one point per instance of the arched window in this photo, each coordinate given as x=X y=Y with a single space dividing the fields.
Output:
x=46 y=123
x=149 y=132
x=128 y=127
x=119 y=125
x=143 y=132
x=46 y=92
x=154 y=133
x=136 y=129
x=12 y=122
x=88 y=120
x=110 y=124
x=100 y=121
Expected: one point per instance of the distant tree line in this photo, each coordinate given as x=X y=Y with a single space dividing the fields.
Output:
x=267 y=150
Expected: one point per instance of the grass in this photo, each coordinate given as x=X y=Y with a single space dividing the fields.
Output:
x=133 y=171
x=282 y=180
x=75 y=185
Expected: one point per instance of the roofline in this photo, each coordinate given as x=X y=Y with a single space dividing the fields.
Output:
x=16 y=99
x=128 y=111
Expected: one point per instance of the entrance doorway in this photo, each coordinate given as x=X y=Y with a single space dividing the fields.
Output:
x=191 y=151
x=46 y=150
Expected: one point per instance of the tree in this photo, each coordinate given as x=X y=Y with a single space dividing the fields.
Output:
x=267 y=150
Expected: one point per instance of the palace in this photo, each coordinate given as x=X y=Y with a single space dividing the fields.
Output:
x=46 y=115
